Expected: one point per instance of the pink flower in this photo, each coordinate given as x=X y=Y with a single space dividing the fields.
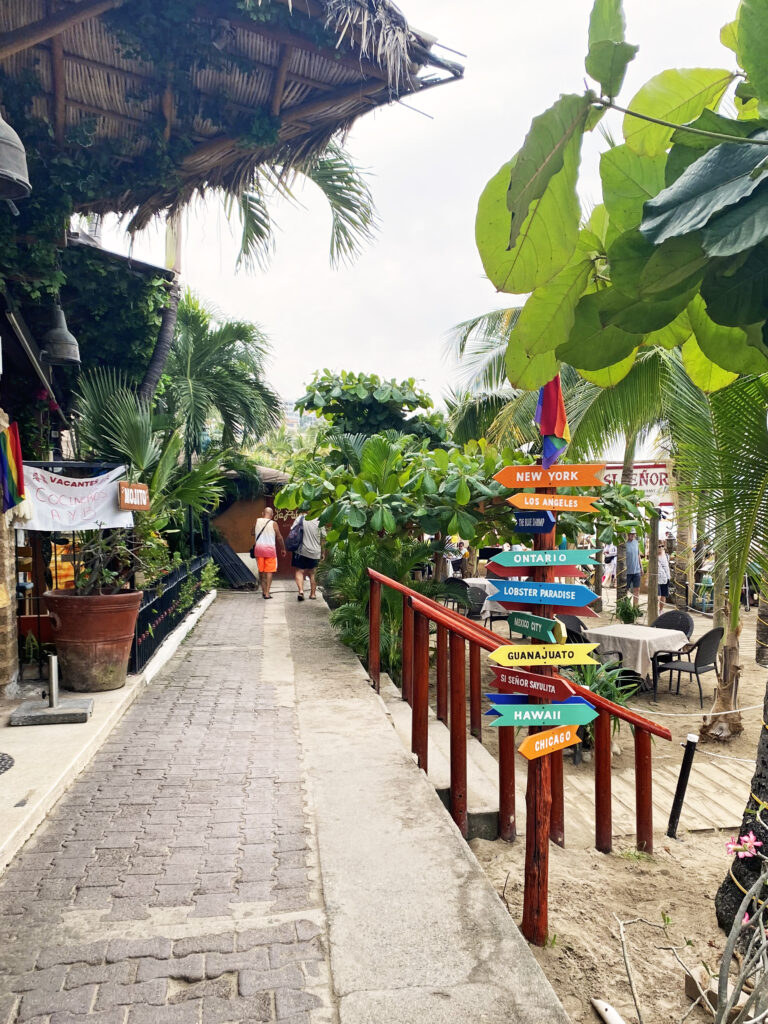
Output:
x=41 y=394
x=53 y=406
x=749 y=844
x=731 y=845
x=745 y=920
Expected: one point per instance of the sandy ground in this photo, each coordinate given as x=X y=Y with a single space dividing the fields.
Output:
x=583 y=958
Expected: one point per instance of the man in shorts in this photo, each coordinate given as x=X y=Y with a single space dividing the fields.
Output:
x=305 y=559
x=267 y=539
x=634 y=567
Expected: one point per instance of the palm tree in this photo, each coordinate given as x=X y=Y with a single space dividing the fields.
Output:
x=353 y=224
x=216 y=369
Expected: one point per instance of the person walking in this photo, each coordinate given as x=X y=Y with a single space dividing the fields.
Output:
x=304 y=560
x=267 y=541
x=609 y=562
x=664 y=575
x=634 y=568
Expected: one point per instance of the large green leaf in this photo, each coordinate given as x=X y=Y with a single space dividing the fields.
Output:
x=752 y=44
x=730 y=347
x=736 y=291
x=627 y=257
x=717 y=180
x=673 y=335
x=638 y=316
x=591 y=344
x=741 y=227
x=674 y=266
x=542 y=156
x=544 y=323
x=610 y=375
x=703 y=372
x=549 y=233
x=629 y=181
x=607 y=63
x=678 y=95
x=606 y=21
x=687 y=147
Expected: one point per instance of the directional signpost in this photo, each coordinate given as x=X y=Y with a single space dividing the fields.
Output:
x=555 y=476
x=563 y=571
x=551 y=631
x=577 y=713
x=544 y=654
x=534 y=559
x=572 y=594
x=534 y=522
x=532 y=684
x=555 y=502
x=540 y=743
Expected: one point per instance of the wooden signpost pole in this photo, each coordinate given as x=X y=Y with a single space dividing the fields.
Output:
x=538 y=802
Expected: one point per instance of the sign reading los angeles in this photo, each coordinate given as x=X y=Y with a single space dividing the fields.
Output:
x=555 y=502
x=555 y=476
x=522 y=715
x=531 y=684
x=527 y=592
x=543 y=654
x=534 y=522
x=541 y=743
x=550 y=630
x=537 y=559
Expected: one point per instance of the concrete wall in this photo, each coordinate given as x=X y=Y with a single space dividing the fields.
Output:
x=9 y=664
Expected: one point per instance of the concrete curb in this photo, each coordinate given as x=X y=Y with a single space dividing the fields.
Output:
x=49 y=757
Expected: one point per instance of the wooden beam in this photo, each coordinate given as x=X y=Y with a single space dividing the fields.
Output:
x=332 y=99
x=47 y=28
x=59 y=86
x=279 y=85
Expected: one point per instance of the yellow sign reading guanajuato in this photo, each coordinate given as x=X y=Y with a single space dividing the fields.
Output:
x=543 y=654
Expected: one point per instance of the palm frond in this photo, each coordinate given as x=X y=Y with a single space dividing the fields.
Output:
x=479 y=346
x=257 y=239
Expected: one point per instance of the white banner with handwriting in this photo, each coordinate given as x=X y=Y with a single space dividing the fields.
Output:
x=65 y=503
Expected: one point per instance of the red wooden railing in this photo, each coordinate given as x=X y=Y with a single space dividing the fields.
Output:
x=454 y=632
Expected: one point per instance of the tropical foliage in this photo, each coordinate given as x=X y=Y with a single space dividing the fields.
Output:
x=673 y=256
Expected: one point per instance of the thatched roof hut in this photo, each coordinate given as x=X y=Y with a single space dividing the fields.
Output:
x=218 y=87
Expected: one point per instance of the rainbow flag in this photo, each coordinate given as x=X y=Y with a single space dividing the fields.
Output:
x=552 y=422
x=11 y=468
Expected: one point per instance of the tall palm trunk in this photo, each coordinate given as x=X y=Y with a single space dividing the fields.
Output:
x=746 y=871
x=718 y=593
x=719 y=724
x=682 y=548
x=154 y=371
x=653 y=572
x=761 y=635
x=627 y=471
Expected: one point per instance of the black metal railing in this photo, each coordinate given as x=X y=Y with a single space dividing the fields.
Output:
x=163 y=606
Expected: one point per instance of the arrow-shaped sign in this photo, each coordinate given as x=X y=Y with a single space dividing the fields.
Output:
x=555 y=476
x=542 y=593
x=544 y=654
x=520 y=715
x=503 y=698
x=559 y=558
x=531 y=684
x=583 y=612
x=540 y=743
x=526 y=571
x=550 y=630
x=555 y=502
x=534 y=522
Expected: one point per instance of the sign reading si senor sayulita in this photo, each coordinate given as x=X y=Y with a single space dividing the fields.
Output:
x=528 y=592
x=544 y=654
x=521 y=715
x=531 y=684
x=555 y=476
x=541 y=743
x=554 y=502
x=550 y=630
x=534 y=559
x=534 y=522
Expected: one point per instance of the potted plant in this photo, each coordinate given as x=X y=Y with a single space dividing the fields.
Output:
x=93 y=623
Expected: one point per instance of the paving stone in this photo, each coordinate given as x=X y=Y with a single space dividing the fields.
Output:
x=222 y=963
x=282 y=954
x=224 y=987
x=144 y=865
x=217 y=881
x=99 y=898
x=91 y=953
x=223 y=942
x=152 y=992
x=184 y=1013
x=253 y=892
x=128 y=909
x=124 y=949
x=86 y=974
x=252 y=982
x=116 y=1016
x=213 y=905
x=222 y=1011
x=39 y=1003
x=51 y=979
x=137 y=885
x=285 y=932
x=188 y=968
x=8 y=1005
x=289 y=1001
x=173 y=895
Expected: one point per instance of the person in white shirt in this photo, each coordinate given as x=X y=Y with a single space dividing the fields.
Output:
x=609 y=564
x=304 y=561
x=663 y=575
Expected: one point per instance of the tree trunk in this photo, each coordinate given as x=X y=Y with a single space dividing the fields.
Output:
x=761 y=634
x=719 y=726
x=652 y=612
x=626 y=480
x=682 y=549
x=163 y=345
x=718 y=593
x=747 y=870
x=597 y=583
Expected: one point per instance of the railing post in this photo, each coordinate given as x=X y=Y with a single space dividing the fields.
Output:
x=420 y=715
x=374 y=634
x=458 y=734
x=603 y=824
x=442 y=674
x=557 y=814
x=475 y=715
x=643 y=791
x=507 y=820
x=407 y=653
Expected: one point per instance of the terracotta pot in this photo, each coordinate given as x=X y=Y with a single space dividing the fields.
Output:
x=93 y=637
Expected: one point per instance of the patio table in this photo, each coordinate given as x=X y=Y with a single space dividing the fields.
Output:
x=637 y=644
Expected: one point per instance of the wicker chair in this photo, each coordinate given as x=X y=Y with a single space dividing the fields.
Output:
x=702 y=657
x=681 y=621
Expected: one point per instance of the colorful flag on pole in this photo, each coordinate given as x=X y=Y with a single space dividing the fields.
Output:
x=552 y=422
x=11 y=468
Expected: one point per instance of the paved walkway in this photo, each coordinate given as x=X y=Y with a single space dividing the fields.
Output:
x=233 y=854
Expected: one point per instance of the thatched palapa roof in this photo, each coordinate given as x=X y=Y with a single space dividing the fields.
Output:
x=239 y=82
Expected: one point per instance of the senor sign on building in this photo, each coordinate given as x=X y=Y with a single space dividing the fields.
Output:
x=133 y=496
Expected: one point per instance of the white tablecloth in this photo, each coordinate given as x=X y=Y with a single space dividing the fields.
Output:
x=637 y=644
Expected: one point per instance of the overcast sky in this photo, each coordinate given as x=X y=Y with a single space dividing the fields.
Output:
x=390 y=312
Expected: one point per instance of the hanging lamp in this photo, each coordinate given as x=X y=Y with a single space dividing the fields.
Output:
x=14 y=176
x=61 y=348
